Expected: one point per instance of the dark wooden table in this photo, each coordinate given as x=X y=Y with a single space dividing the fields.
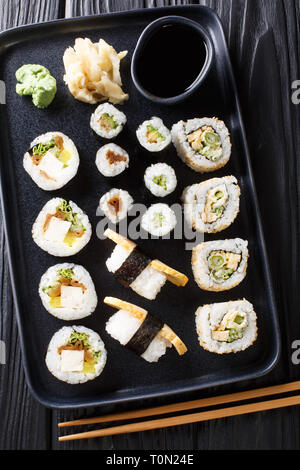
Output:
x=264 y=44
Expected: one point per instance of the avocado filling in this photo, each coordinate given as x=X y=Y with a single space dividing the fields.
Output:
x=55 y=145
x=65 y=277
x=222 y=264
x=231 y=328
x=215 y=204
x=206 y=142
x=153 y=135
x=161 y=181
x=107 y=122
x=78 y=342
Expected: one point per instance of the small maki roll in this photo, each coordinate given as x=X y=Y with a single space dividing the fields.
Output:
x=52 y=160
x=160 y=179
x=211 y=206
x=115 y=204
x=76 y=354
x=111 y=160
x=138 y=330
x=203 y=144
x=159 y=220
x=153 y=135
x=227 y=326
x=220 y=264
x=107 y=121
x=68 y=292
x=134 y=269
x=61 y=228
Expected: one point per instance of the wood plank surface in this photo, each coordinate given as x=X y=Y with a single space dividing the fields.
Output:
x=263 y=40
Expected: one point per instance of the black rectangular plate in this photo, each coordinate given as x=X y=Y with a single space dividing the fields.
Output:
x=126 y=376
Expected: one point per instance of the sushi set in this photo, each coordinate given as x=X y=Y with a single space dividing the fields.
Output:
x=94 y=139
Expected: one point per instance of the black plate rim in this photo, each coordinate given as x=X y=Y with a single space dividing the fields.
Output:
x=6 y=40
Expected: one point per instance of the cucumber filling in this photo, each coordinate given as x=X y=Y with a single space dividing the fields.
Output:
x=231 y=328
x=206 y=142
x=222 y=264
x=153 y=135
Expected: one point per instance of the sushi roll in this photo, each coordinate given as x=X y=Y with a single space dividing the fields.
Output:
x=220 y=264
x=107 y=121
x=203 y=144
x=160 y=179
x=61 y=228
x=138 y=330
x=52 y=160
x=226 y=327
x=159 y=220
x=68 y=292
x=76 y=354
x=111 y=160
x=211 y=206
x=134 y=269
x=153 y=135
x=115 y=204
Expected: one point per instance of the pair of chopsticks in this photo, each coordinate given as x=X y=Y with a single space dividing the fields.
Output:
x=188 y=418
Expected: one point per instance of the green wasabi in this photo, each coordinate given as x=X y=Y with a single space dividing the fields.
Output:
x=37 y=81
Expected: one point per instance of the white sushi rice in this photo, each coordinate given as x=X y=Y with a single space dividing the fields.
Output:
x=159 y=220
x=89 y=296
x=53 y=358
x=160 y=179
x=192 y=158
x=122 y=326
x=125 y=202
x=210 y=316
x=202 y=274
x=194 y=199
x=157 y=124
x=117 y=258
x=116 y=167
x=51 y=174
x=118 y=117
x=58 y=247
x=149 y=283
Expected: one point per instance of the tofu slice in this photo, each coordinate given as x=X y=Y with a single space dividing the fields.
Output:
x=71 y=360
x=220 y=335
x=57 y=230
x=51 y=165
x=71 y=297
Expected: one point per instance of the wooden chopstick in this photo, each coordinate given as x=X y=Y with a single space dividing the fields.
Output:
x=188 y=405
x=187 y=419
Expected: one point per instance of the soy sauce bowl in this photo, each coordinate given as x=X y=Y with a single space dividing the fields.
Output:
x=187 y=28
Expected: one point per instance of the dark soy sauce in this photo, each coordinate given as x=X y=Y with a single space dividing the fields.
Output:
x=171 y=60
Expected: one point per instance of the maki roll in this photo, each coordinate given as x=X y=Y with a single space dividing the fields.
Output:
x=220 y=264
x=68 y=292
x=211 y=206
x=145 y=334
x=227 y=326
x=202 y=143
x=134 y=269
x=76 y=354
x=111 y=160
x=159 y=220
x=61 y=228
x=115 y=204
x=107 y=121
x=52 y=160
x=153 y=135
x=160 y=179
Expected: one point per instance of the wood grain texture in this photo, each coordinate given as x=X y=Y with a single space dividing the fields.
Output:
x=263 y=40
